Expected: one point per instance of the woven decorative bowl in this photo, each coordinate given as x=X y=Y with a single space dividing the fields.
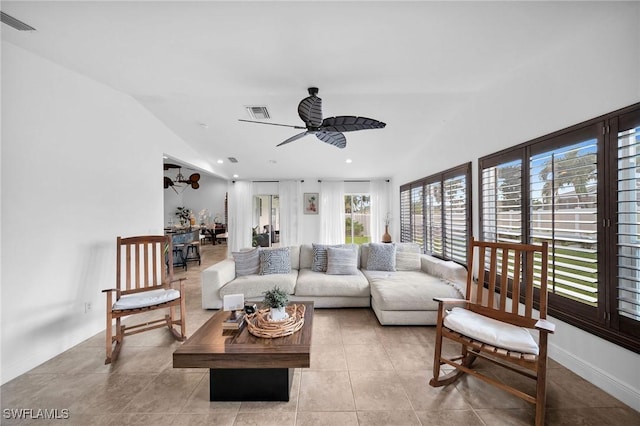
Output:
x=260 y=325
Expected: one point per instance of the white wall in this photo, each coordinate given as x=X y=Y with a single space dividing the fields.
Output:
x=593 y=74
x=81 y=164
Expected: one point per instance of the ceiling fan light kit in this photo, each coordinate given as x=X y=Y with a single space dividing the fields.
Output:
x=329 y=130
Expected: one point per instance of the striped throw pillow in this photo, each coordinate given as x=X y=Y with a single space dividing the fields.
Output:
x=319 y=263
x=247 y=262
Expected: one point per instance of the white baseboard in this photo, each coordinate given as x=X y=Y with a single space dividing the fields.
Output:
x=622 y=391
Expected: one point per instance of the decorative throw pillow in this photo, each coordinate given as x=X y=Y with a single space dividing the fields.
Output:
x=247 y=261
x=342 y=261
x=407 y=257
x=319 y=263
x=275 y=261
x=382 y=257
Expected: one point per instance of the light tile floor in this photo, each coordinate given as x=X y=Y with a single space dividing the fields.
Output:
x=361 y=374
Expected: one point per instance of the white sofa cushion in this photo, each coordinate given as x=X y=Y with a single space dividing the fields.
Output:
x=408 y=290
x=407 y=257
x=253 y=286
x=488 y=330
x=311 y=283
x=146 y=298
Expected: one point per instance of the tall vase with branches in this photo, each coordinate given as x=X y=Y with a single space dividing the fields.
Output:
x=386 y=237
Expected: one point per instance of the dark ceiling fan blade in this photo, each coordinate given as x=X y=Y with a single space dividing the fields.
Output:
x=332 y=138
x=167 y=182
x=168 y=166
x=272 y=124
x=349 y=123
x=310 y=111
x=295 y=138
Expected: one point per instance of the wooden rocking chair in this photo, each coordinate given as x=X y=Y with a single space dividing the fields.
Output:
x=142 y=286
x=497 y=329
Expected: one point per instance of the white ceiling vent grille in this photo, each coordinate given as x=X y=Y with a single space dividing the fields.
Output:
x=258 y=112
x=15 y=23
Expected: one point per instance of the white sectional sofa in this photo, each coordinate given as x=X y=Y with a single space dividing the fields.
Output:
x=399 y=290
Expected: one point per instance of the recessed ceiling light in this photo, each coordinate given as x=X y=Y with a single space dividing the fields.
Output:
x=235 y=176
x=349 y=161
x=220 y=161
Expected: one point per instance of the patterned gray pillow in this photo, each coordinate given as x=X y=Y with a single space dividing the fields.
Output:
x=342 y=261
x=247 y=261
x=275 y=261
x=407 y=257
x=319 y=263
x=382 y=257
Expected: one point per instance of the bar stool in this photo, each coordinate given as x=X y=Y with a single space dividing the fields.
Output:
x=178 y=256
x=193 y=252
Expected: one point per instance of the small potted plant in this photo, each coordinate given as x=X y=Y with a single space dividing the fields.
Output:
x=277 y=299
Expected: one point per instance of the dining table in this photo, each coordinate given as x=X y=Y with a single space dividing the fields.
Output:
x=214 y=230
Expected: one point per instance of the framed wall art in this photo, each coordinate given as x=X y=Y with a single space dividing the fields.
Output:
x=310 y=203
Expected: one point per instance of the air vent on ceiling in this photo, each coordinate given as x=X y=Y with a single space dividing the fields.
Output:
x=233 y=159
x=258 y=112
x=15 y=23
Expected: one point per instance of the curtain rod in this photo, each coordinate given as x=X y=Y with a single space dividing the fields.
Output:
x=351 y=181
x=302 y=180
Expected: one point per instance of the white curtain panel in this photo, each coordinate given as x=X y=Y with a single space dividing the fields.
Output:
x=379 y=190
x=332 y=227
x=291 y=205
x=240 y=215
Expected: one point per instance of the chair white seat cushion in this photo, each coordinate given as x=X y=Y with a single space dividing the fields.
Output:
x=490 y=331
x=146 y=298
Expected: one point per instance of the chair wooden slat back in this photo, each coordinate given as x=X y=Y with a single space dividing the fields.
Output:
x=505 y=267
x=148 y=263
x=509 y=271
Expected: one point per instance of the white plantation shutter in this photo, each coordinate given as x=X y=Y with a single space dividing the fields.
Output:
x=563 y=211
x=628 y=221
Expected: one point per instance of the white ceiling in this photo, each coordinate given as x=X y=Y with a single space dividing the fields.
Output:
x=411 y=65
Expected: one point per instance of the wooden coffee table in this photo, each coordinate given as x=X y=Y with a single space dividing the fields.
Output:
x=243 y=367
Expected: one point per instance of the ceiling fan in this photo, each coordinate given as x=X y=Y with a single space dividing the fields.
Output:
x=328 y=130
x=168 y=182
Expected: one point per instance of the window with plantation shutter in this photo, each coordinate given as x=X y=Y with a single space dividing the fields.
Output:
x=433 y=218
x=563 y=212
x=627 y=217
x=417 y=219
x=435 y=212
x=455 y=218
x=577 y=189
x=405 y=214
x=502 y=202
